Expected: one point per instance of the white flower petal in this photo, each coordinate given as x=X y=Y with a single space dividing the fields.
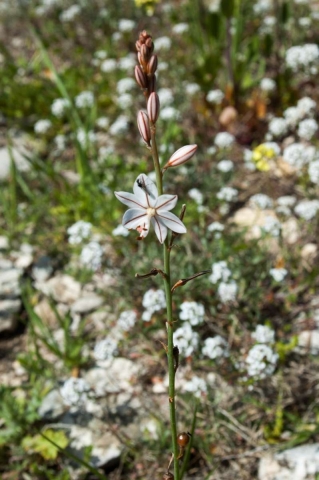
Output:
x=171 y=221
x=144 y=184
x=130 y=200
x=166 y=202
x=134 y=217
x=160 y=229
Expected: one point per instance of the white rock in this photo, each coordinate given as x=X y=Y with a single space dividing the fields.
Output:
x=42 y=269
x=290 y=231
x=62 y=288
x=299 y=463
x=9 y=282
x=308 y=341
x=23 y=260
x=4 y=242
x=117 y=375
x=87 y=303
x=52 y=405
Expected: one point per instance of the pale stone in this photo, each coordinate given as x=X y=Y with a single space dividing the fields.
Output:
x=290 y=231
x=308 y=254
x=42 y=269
x=308 y=341
x=116 y=375
x=87 y=303
x=4 y=243
x=23 y=260
x=63 y=288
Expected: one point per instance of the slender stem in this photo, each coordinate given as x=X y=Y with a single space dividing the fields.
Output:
x=169 y=320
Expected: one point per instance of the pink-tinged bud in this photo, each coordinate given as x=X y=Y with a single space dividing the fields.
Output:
x=138 y=45
x=151 y=84
x=181 y=155
x=152 y=65
x=140 y=77
x=153 y=107
x=145 y=55
x=144 y=126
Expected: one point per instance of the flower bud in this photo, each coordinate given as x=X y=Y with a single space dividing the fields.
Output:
x=153 y=107
x=151 y=84
x=152 y=65
x=145 y=55
x=140 y=77
x=181 y=155
x=144 y=126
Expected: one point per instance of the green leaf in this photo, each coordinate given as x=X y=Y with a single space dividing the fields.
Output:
x=44 y=446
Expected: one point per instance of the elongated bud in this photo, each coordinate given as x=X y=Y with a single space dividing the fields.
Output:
x=152 y=65
x=145 y=55
x=181 y=155
x=151 y=84
x=153 y=107
x=144 y=126
x=140 y=77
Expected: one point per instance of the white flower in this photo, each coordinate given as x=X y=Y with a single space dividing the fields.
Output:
x=196 y=195
x=60 y=142
x=307 y=209
x=228 y=194
x=102 y=122
x=163 y=43
x=307 y=128
x=302 y=57
x=267 y=84
x=127 y=63
x=100 y=54
x=278 y=274
x=215 y=96
x=192 y=312
x=225 y=166
x=120 y=231
x=263 y=334
x=271 y=226
x=69 y=14
x=105 y=349
x=127 y=320
x=74 y=391
x=180 y=28
x=124 y=101
x=120 y=125
x=169 y=113
x=261 y=200
x=277 y=126
x=166 y=96
x=125 y=85
x=192 y=88
x=220 y=271
x=306 y=106
x=79 y=231
x=146 y=208
x=196 y=385
x=109 y=65
x=227 y=292
x=84 y=99
x=304 y=22
x=224 y=140
x=262 y=6
x=286 y=201
x=261 y=361
x=42 y=126
x=126 y=25
x=215 y=347
x=91 y=256
x=216 y=227
x=60 y=106
x=186 y=339
x=153 y=301
x=313 y=171
x=292 y=116
x=85 y=138
x=298 y=155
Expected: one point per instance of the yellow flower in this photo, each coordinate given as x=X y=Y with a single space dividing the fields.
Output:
x=262 y=156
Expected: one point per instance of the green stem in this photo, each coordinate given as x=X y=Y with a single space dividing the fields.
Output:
x=169 y=320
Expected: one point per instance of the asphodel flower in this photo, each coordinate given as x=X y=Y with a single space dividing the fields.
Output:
x=146 y=208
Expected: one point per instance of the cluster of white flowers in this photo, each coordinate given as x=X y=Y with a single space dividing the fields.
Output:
x=70 y=13
x=192 y=88
x=307 y=128
x=224 y=140
x=120 y=231
x=216 y=227
x=225 y=166
x=272 y=226
x=120 y=125
x=91 y=256
x=278 y=274
x=84 y=99
x=220 y=271
x=307 y=209
x=153 y=301
x=169 y=113
x=42 y=126
x=127 y=320
x=215 y=347
x=166 y=96
x=227 y=290
x=196 y=194
x=60 y=142
x=227 y=194
x=127 y=63
x=186 y=339
x=262 y=6
x=303 y=57
x=108 y=65
x=60 y=106
x=125 y=85
x=313 y=171
x=79 y=231
x=180 y=28
x=85 y=138
x=263 y=334
x=192 y=312
x=284 y=203
x=267 y=84
x=74 y=391
x=277 y=127
x=124 y=101
x=102 y=122
x=261 y=361
x=163 y=43
x=196 y=385
x=215 y=96
x=126 y=25
x=105 y=349
x=298 y=155
x=260 y=200
x=267 y=25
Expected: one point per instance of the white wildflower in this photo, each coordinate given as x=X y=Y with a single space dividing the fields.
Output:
x=163 y=43
x=70 y=13
x=298 y=155
x=42 y=126
x=260 y=200
x=105 y=349
x=192 y=312
x=196 y=194
x=267 y=84
x=91 y=256
x=79 y=231
x=127 y=63
x=278 y=274
x=186 y=339
x=292 y=116
x=126 y=25
x=215 y=96
x=272 y=226
x=169 y=113
x=216 y=227
x=227 y=292
x=85 y=138
x=228 y=194
x=120 y=231
x=74 y=391
x=109 y=65
x=120 y=125
x=60 y=106
x=277 y=126
x=84 y=99
x=153 y=301
x=192 y=88
x=125 y=85
x=102 y=122
x=124 y=101
x=224 y=140
x=313 y=171
x=307 y=209
x=127 y=320
x=196 y=385
x=220 y=271
x=263 y=334
x=225 y=166
x=166 y=96
x=215 y=347
x=261 y=361
x=306 y=106
x=302 y=57
x=180 y=28
x=307 y=128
